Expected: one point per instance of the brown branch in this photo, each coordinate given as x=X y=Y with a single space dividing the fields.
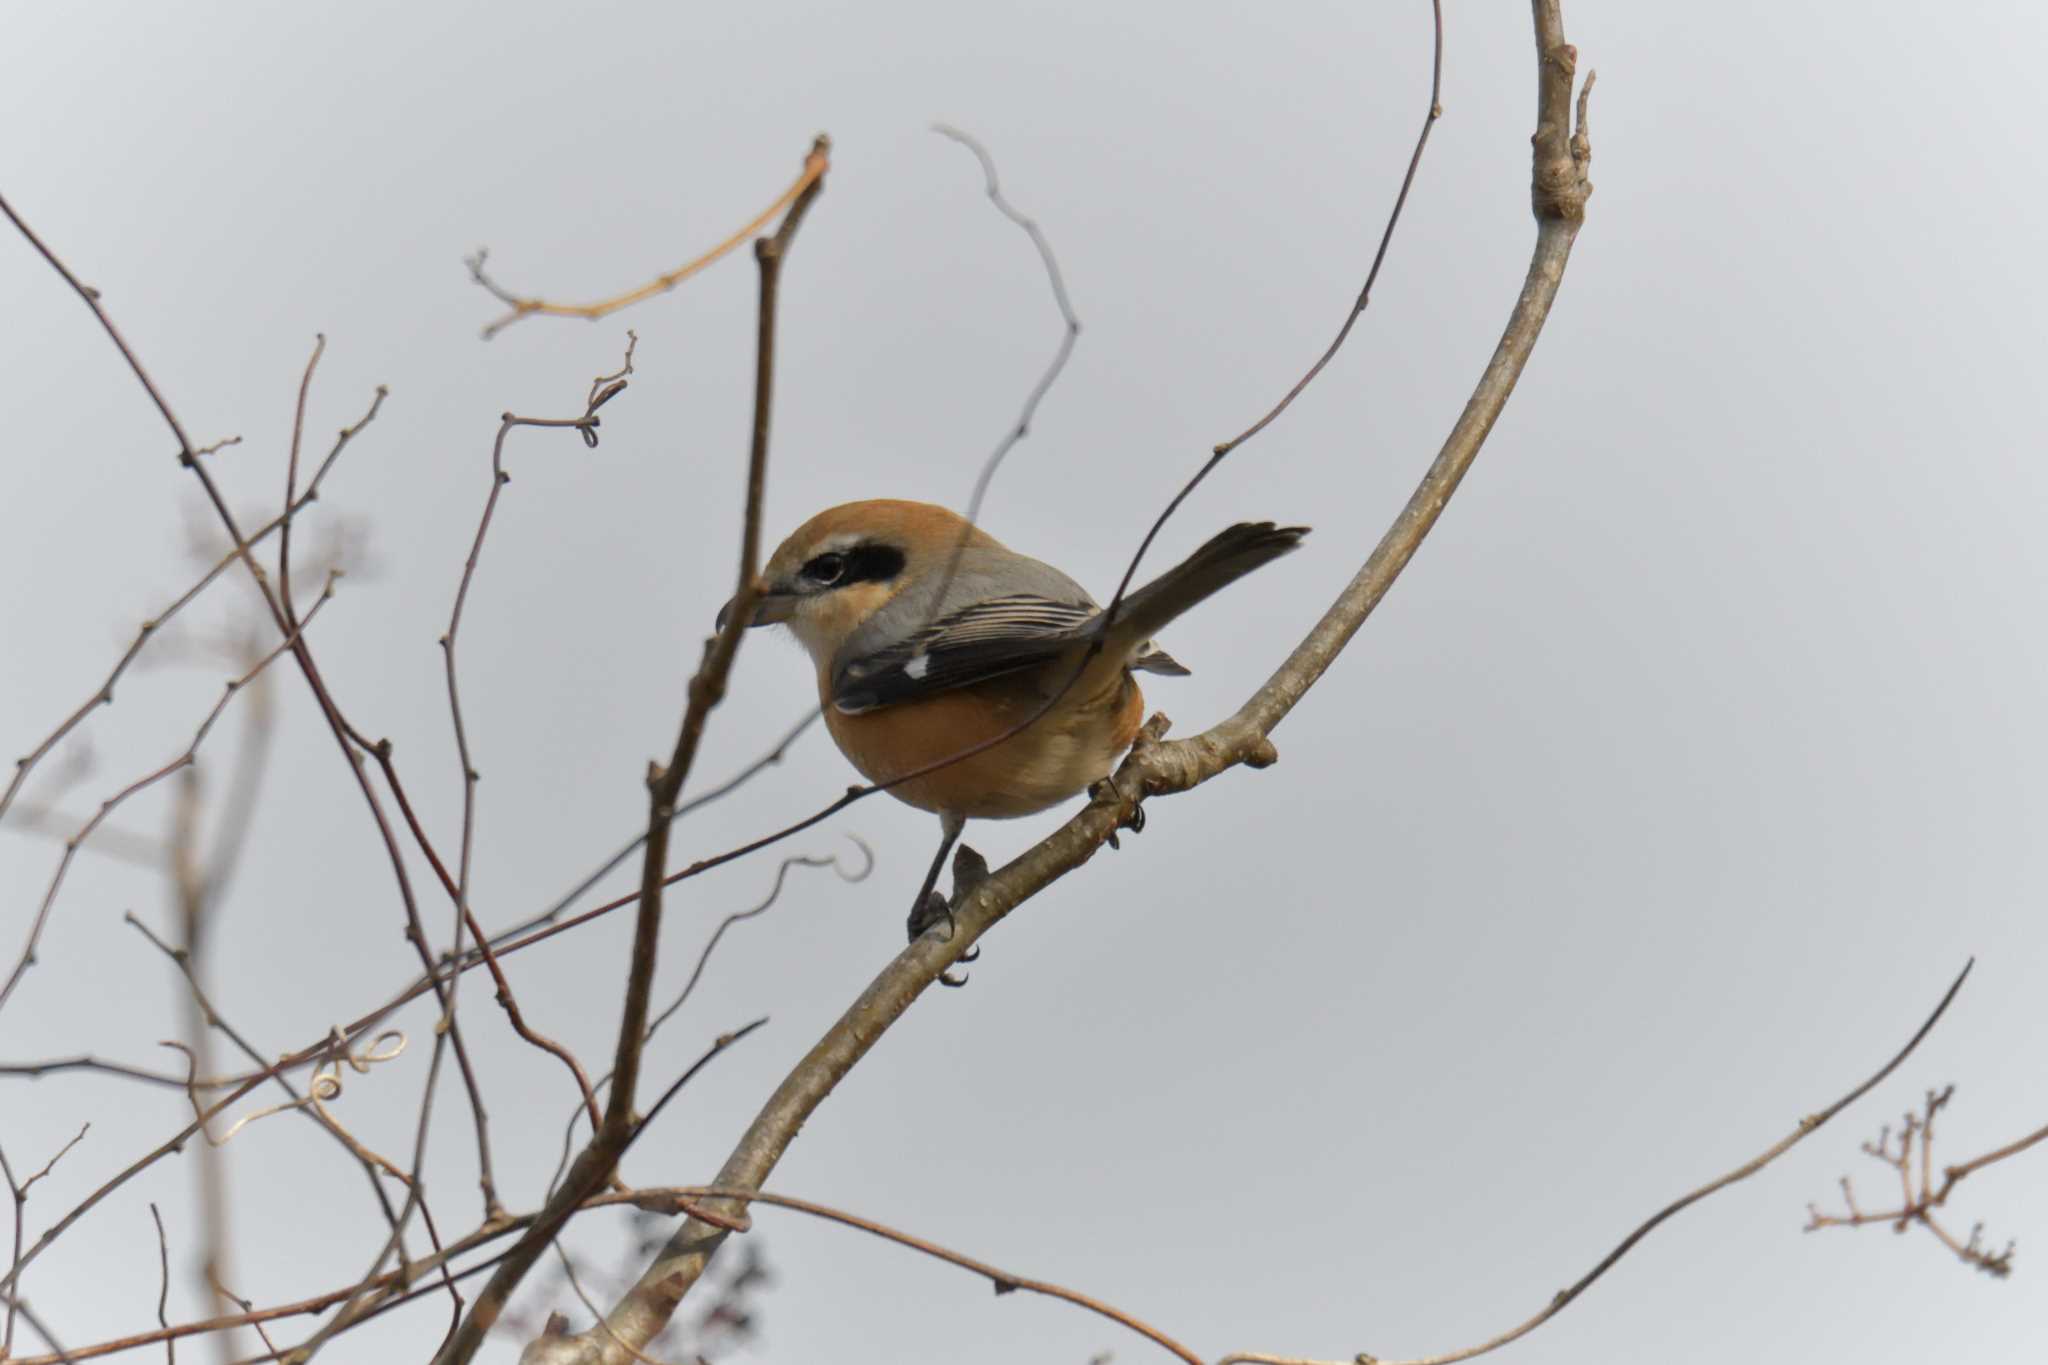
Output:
x=704 y=957
x=503 y=942
x=392 y=1288
x=18 y=1192
x=688 y=1200
x=291 y=471
x=816 y=163
x=1920 y=1207
x=599 y=1158
x=739 y=779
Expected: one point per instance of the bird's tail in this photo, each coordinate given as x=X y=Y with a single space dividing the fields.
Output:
x=1228 y=556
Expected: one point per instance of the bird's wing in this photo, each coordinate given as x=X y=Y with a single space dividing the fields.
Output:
x=972 y=643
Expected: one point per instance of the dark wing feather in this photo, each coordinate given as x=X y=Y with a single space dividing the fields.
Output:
x=980 y=641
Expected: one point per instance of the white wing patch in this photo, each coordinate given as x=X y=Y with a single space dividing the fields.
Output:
x=918 y=666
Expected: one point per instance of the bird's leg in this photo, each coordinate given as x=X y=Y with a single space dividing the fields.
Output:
x=970 y=870
x=930 y=907
x=1106 y=789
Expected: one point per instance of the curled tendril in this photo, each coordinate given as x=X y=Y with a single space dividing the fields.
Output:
x=324 y=1086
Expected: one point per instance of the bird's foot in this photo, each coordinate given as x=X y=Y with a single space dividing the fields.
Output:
x=970 y=870
x=1107 y=791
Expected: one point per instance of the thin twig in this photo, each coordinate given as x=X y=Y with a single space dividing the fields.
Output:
x=1565 y=1297
x=1436 y=111
x=703 y=958
x=816 y=163
x=1920 y=1206
x=602 y=390
x=163 y=1293
x=1070 y=334
x=11 y=1287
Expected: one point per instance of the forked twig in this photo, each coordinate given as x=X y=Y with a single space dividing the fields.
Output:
x=1917 y=1205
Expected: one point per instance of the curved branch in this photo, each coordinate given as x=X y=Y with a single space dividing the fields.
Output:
x=816 y=163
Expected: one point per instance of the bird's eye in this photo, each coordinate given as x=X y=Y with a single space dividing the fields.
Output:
x=826 y=569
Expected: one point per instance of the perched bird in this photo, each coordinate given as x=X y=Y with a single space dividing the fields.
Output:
x=934 y=642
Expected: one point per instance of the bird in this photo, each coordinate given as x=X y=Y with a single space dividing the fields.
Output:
x=967 y=679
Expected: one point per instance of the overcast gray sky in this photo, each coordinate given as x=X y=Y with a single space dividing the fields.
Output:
x=1695 y=753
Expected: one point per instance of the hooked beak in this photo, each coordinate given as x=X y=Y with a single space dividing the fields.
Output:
x=770 y=608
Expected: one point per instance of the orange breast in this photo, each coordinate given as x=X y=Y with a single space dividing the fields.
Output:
x=1059 y=755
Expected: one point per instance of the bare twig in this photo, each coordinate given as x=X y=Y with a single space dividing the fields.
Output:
x=1918 y=1206
x=18 y=1192
x=816 y=163
x=163 y=1293
x=696 y=973
x=1070 y=334
x=576 y=1285
x=1436 y=111
x=1565 y=1297
x=602 y=390
x=739 y=779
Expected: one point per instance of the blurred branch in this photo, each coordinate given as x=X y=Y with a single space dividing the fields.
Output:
x=816 y=163
x=1918 y=1205
x=188 y=891
x=107 y=807
x=104 y=694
